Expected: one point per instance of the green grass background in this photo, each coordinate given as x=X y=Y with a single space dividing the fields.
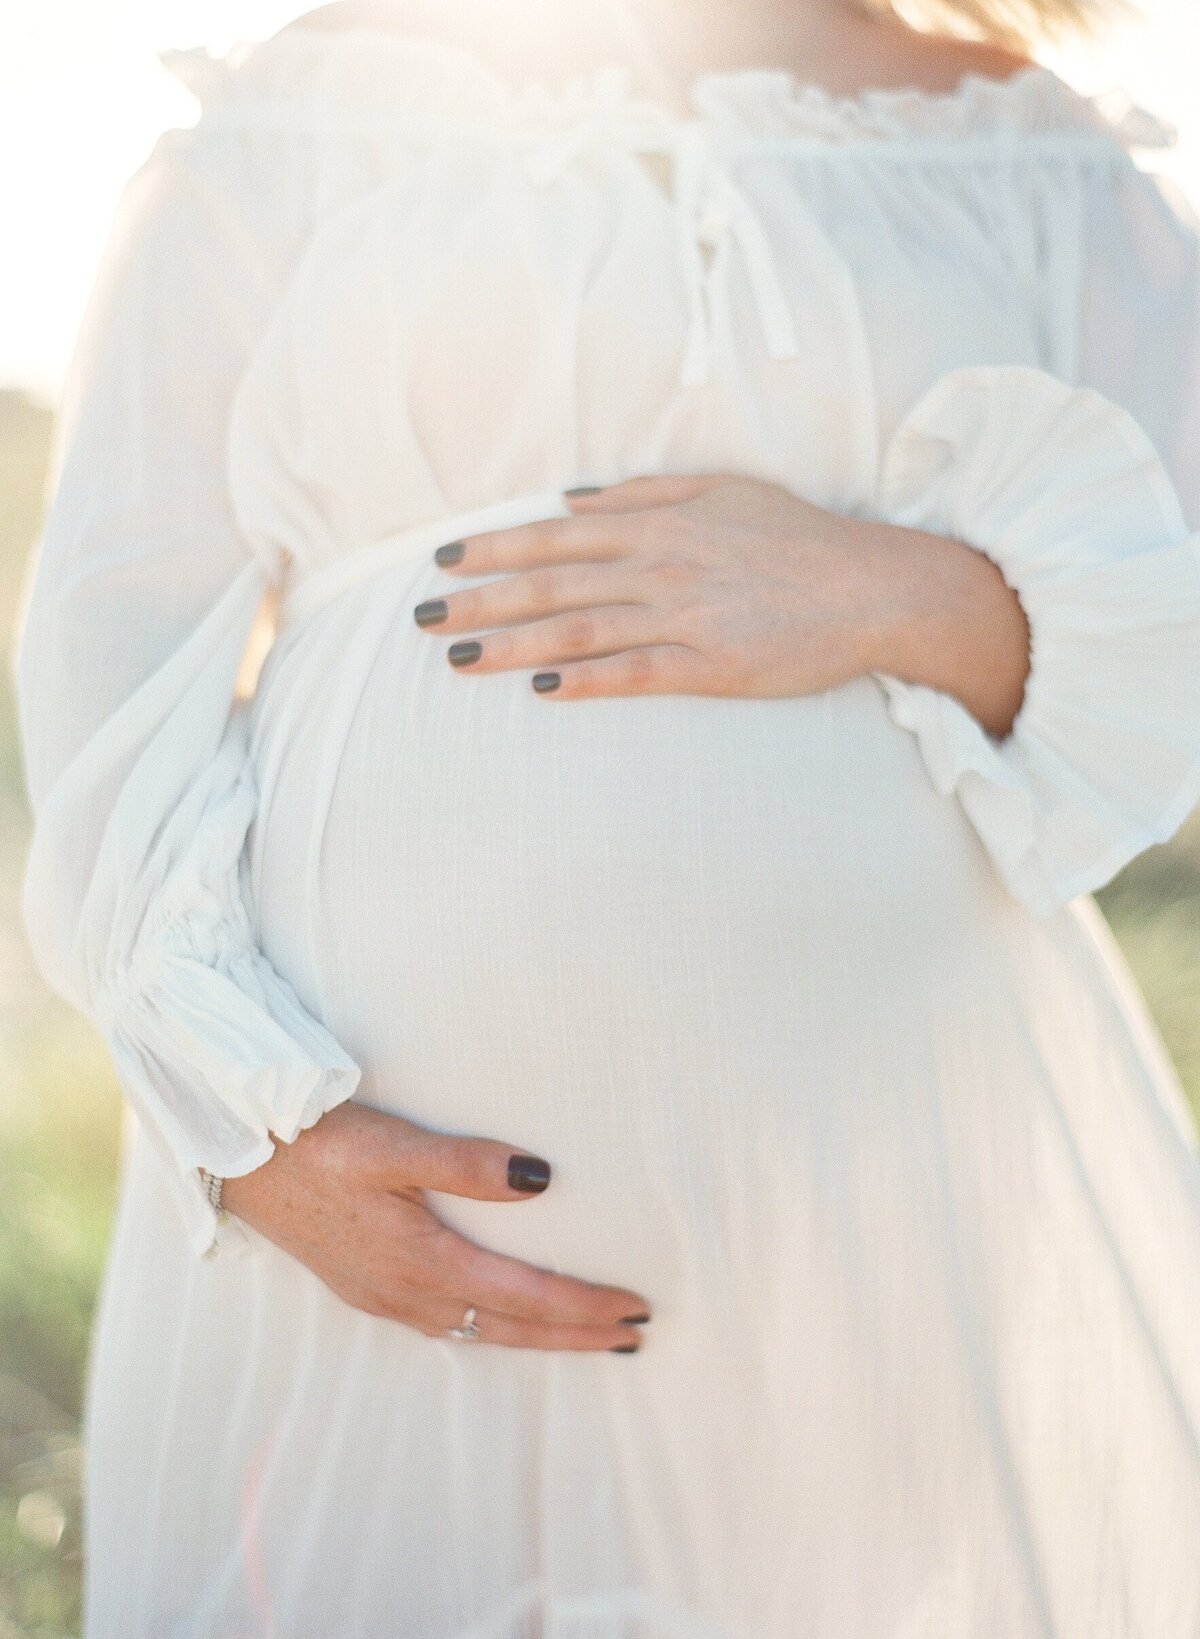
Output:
x=60 y=1122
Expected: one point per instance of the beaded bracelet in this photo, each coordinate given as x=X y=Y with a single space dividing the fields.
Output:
x=212 y=1188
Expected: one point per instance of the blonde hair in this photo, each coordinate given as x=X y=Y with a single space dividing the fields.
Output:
x=1019 y=24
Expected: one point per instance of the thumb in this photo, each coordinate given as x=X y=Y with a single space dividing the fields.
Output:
x=483 y=1168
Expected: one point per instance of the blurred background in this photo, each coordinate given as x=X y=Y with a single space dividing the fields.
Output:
x=82 y=99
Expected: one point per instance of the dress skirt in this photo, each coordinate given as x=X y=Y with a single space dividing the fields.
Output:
x=903 y=1172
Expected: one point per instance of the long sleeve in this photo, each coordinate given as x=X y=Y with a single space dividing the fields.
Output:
x=1083 y=485
x=1066 y=494
x=138 y=609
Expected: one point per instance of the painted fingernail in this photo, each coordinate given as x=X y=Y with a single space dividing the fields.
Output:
x=450 y=553
x=635 y=1320
x=543 y=682
x=528 y=1172
x=584 y=489
x=430 y=612
x=625 y=1348
x=462 y=654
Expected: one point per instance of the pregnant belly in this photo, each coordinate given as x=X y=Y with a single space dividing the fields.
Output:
x=660 y=940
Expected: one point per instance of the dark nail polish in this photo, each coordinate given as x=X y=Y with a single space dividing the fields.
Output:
x=450 y=553
x=430 y=612
x=635 y=1320
x=584 y=489
x=625 y=1348
x=543 y=682
x=528 y=1172
x=462 y=654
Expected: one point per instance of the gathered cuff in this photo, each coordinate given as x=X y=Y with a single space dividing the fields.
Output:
x=213 y=1047
x=228 y=1061
x=1064 y=491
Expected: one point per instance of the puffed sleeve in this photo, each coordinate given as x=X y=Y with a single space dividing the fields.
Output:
x=137 y=612
x=1084 y=489
x=1063 y=490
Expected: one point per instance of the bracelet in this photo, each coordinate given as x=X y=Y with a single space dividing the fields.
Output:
x=212 y=1188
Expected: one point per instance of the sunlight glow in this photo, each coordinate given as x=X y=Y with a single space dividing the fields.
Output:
x=83 y=97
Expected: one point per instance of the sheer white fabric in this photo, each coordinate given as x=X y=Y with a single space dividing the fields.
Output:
x=1067 y=494
x=791 y=993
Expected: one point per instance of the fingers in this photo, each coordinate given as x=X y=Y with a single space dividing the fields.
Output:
x=602 y=631
x=382 y=1249
x=492 y=1280
x=656 y=489
x=432 y=1257
x=601 y=527
x=350 y=1204
x=548 y=540
x=663 y=668
x=482 y=1168
x=511 y=1333
x=543 y=591
x=435 y=1316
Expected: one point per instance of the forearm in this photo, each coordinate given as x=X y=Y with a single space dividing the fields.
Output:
x=948 y=620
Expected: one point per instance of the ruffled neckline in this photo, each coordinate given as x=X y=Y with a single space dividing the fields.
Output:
x=367 y=74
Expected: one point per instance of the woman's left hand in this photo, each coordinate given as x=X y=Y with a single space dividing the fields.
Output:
x=701 y=584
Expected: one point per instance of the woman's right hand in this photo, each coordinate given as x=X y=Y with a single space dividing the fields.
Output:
x=346 y=1198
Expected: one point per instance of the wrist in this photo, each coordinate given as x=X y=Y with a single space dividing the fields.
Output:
x=946 y=619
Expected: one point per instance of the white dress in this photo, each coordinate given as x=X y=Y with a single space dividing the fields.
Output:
x=798 y=997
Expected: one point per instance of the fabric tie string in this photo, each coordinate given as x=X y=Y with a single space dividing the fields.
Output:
x=708 y=206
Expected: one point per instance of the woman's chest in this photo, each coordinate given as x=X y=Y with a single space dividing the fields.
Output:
x=523 y=318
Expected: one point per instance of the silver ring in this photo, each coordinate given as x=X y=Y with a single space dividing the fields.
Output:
x=466 y=1331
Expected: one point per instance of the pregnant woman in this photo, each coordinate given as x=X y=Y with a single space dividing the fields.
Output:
x=638 y=1131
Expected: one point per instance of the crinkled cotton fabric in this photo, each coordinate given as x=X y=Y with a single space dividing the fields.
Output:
x=803 y=999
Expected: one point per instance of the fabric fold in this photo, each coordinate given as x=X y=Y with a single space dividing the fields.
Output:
x=205 y=1034
x=213 y=1048
x=1063 y=490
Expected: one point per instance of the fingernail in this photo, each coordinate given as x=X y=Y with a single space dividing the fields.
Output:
x=528 y=1172
x=584 y=489
x=543 y=682
x=462 y=654
x=430 y=612
x=450 y=553
x=625 y=1348
x=635 y=1320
